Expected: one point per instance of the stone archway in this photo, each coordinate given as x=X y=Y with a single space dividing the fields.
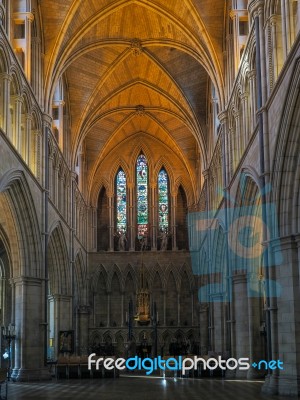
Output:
x=59 y=291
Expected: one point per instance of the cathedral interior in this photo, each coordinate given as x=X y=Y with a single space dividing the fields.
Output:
x=150 y=182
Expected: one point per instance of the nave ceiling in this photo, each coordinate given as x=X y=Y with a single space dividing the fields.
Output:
x=135 y=67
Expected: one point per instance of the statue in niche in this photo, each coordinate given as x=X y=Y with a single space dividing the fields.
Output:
x=122 y=241
x=144 y=243
x=164 y=240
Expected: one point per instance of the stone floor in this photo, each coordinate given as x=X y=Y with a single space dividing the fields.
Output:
x=133 y=388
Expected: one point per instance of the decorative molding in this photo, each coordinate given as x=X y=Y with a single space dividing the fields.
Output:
x=136 y=47
x=140 y=110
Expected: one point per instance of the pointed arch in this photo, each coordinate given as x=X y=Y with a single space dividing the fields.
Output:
x=142 y=194
x=4 y=58
x=59 y=273
x=17 y=191
x=79 y=279
x=121 y=201
x=163 y=187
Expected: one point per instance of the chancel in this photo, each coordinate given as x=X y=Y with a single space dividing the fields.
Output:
x=149 y=186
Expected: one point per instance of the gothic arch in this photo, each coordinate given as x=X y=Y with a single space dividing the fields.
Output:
x=286 y=161
x=59 y=273
x=157 y=270
x=80 y=278
x=141 y=148
x=18 y=194
x=119 y=164
x=4 y=58
x=115 y=271
x=163 y=163
x=129 y=271
x=16 y=86
x=95 y=278
x=9 y=237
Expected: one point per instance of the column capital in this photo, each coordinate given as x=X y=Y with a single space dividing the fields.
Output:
x=29 y=117
x=110 y=194
x=240 y=277
x=252 y=74
x=58 y=103
x=27 y=280
x=6 y=76
x=17 y=98
x=273 y=19
x=233 y=14
x=73 y=175
x=83 y=309
x=244 y=96
x=223 y=116
x=206 y=174
x=47 y=119
x=23 y=16
x=153 y=185
x=255 y=7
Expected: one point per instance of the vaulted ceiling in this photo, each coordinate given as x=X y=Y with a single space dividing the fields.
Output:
x=135 y=66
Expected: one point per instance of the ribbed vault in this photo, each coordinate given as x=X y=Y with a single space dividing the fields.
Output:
x=135 y=66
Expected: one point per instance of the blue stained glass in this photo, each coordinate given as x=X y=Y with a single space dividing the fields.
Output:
x=142 y=195
x=163 y=201
x=121 y=202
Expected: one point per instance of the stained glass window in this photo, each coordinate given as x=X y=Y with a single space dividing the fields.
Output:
x=121 y=201
x=163 y=201
x=142 y=195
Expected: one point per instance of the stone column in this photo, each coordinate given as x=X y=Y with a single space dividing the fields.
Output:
x=25 y=42
x=298 y=18
x=61 y=105
x=131 y=216
x=30 y=326
x=236 y=140
x=51 y=169
x=56 y=183
x=274 y=68
x=194 y=293
x=203 y=321
x=257 y=351
x=2 y=15
x=18 y=101
x=153 y=215
x=111 y=221
x=245 y=134
x=252 y=82
x=290 y=32
x=81 y=171
x=108 y=308
x=5 y=101
x=223 y=118
x=83 y=322
x=173 y=220
x=240 y=306
x=36 y=69
x=93 y=231
x=287 y=343
x=165 y=307
x=27 y=149
x=236 y=55
x=178 y=309
x=123 y=318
